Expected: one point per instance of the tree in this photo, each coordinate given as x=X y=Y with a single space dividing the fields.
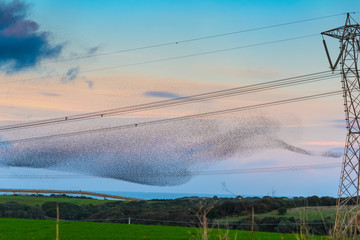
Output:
x=282 y=211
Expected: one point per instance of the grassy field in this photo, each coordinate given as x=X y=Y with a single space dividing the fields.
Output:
x=309 y=214
x=33 y=200
x=25 y=229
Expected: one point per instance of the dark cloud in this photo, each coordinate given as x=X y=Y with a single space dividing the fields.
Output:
x=49 y=94
x=164 y=154
x=160 y=94
x=22 y=45
x=71 y=75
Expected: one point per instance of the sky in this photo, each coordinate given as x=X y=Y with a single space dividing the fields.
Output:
x=63 y=58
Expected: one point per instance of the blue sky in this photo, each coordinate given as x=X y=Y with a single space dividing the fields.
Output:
x=81 y=27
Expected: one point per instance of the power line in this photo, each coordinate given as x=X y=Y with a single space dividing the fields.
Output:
x=207 y=114
x=268 y=169
x=174 y=102
x=214 y=172
x=303 y=79
x=182 y=41
x=168 y=59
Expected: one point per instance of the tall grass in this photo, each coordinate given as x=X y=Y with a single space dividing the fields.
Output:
x=207 y=229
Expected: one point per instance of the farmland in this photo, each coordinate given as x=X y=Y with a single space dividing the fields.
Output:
x=280 y=215
x=310 y=214
x=25 y=229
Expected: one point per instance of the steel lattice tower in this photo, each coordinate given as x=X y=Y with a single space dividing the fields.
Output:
x=347 y=221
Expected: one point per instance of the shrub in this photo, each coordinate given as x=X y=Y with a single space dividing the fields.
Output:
x=282 y=211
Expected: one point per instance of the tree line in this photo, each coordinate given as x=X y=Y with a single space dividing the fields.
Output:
x=182 y=211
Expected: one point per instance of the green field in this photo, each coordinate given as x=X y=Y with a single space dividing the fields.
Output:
x=307 y=214
x=25 y=229
x=33 y=200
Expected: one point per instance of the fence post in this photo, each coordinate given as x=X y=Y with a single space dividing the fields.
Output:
x=252 y=223
x=57 y=220
x=129 y=220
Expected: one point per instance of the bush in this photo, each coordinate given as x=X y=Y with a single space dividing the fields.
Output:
x=19 y=210
x=282 y=211
x=68 y=211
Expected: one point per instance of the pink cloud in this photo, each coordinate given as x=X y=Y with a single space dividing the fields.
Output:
x=329 y=144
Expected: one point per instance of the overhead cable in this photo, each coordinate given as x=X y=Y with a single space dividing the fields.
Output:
x=270 y=85
x=196 y=173
x=165 y=59
x=167 y=120
x=181 y=41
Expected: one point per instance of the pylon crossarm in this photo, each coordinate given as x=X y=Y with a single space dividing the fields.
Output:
x=343 y=32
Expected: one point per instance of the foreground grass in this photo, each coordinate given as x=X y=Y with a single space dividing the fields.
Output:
x=25 y=229
x=34 y=200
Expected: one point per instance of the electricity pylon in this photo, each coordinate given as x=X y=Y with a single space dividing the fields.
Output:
x=347 y=221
